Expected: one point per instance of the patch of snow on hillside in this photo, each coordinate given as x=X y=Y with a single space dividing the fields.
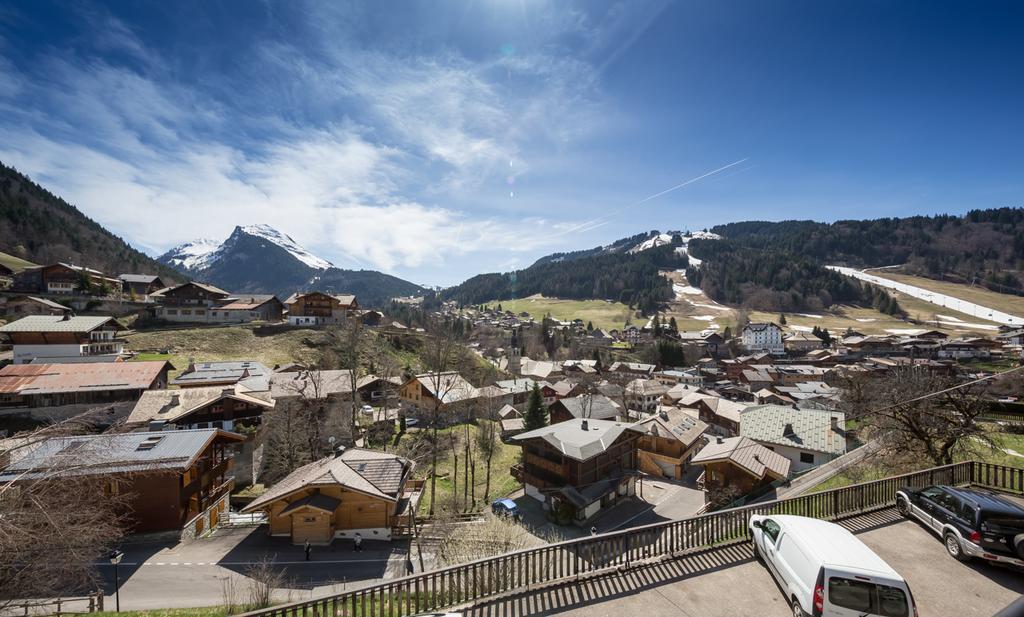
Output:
x=866 y=319
x=703 y=235
x=801 y=328
x=687 y=290
x=285 y=241
x=652 y=242
x=811 y=316
x=704 y=317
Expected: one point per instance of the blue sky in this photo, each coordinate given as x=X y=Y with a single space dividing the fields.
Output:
x=436 y=140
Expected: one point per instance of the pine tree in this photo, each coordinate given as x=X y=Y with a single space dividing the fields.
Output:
x=656 y=326
x=536 y=415
x=672 y=325
x=590 y=326
x=782 y=319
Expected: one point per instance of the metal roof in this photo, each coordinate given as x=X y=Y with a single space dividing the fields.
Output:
x=173 y=405
x=29 y=379
x=746 y=454
x=138 y=278
x=58 y=323
x=577 y=442
x=596 y=406
x=252 y=374
x=804 y=429
x=111 y=453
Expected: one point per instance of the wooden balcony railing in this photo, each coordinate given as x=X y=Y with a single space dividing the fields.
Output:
x=565 y=561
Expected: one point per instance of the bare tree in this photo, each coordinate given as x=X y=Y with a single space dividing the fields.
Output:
x=920 y=414
x=347 y=349
x=487 y=443
x=50 y=536
x=442 y=354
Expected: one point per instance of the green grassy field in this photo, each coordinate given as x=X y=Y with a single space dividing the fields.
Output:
x=603 y=314
x=225 y=343
x=501 y=482
x=15 y=263
x=210 y=611
x=979 y=295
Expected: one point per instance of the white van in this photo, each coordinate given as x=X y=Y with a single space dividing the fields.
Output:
x=827 y=572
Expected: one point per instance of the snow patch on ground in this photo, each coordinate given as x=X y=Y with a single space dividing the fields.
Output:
x=911 y=331
x=714 y=307
x=811 y=316
x=687 y=290
x=704 y=317
x=801 y=328
x=866 y=319
x=964 y=324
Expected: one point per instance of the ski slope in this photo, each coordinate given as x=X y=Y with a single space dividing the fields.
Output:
x=962 y=306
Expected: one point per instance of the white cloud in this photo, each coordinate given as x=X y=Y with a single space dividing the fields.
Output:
x=161 y=163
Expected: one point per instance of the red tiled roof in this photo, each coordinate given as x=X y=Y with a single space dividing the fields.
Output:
x=93 y=376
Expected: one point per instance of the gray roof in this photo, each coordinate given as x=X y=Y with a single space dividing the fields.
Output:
x=523 y=384
x=366 y=471
x=138 y=278
x=572 y=440
x=174 y=405
x=233 y=371
x=745 y=453
x=674 y=424
x=310 y=384
x=112 y=453
x=804 y=429
x=600 y=407
x=58 y=323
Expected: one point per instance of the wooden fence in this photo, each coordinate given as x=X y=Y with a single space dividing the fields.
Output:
x=565 y=561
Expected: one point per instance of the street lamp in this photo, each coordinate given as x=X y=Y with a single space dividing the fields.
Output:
x=115 y=558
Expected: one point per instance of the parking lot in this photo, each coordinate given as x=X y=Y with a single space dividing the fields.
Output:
x=728 y=582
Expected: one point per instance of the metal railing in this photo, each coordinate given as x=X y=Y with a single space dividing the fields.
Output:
x=565 y=561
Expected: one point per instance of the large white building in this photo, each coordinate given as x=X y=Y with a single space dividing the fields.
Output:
x=759 y=337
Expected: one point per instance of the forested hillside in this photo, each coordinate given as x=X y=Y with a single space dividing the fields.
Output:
x=987 y=245
x=769 y=279
x=632 y=279
x=40 y=227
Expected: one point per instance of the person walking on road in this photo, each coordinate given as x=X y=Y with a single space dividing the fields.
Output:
x=307 y=547
x=358 y=541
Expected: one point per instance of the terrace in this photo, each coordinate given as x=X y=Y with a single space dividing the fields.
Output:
x=695 y=566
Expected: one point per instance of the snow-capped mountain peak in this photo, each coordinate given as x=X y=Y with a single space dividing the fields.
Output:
x=194 y=255
x=266 y=232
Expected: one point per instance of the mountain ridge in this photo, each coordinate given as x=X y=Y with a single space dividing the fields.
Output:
x=257 y=258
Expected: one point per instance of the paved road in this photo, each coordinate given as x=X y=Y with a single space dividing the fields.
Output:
x=195 y=573
x=729 y=583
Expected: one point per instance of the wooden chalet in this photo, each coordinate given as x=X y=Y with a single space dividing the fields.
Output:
x=141 y=285
x=316 y=308
x=248 y=307
x=356 y=491
x=228 y=407
x=671 y=438
x=65 y=279
x=579 y=467
x=738 y=465
x=172 y=480
x=56 y=338
x=46 y=385
x=597 y=406
x=23 y=306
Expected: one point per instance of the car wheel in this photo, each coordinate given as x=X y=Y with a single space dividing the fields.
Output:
x=903 y=507
x=1018 y=544
x=797 y=611
x=953 y=547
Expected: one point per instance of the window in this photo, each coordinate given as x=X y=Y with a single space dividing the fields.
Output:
x=806 y=457
x=868 y=598
x=770 y=528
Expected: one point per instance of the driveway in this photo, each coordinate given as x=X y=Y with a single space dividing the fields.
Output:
x=727 y=582
x=658 y=499
x=195 y=573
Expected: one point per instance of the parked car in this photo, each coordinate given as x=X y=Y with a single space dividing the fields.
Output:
x=825 y=571
x=506 y=507
x=367 y=410
x=971 y=522
x=411 y=421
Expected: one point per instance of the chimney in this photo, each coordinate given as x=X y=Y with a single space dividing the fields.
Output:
x=66 y=317
x=228 y=391
x=339 y=451
x=787 y=430
x=175 y=400
x=191 y=365
x=718 y=439
x=584 y=426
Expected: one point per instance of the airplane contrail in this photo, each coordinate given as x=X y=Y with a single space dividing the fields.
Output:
x=603 y=219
